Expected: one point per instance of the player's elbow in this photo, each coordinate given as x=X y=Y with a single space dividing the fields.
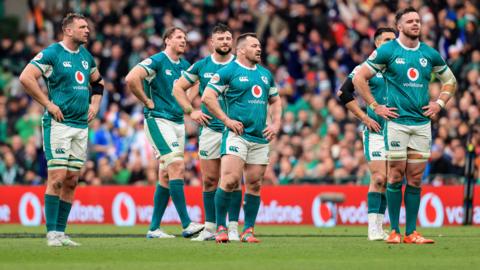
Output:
x=24 y=78
x=129 y=80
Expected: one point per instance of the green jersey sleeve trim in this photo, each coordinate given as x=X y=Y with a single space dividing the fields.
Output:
x=375 y=68
x=214 y=88
x=45 y=69
x=439 y=69
x=273 y=92
x=191 y=78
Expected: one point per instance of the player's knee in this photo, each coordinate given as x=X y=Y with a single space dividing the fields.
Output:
x=56 y=185
x=254 y=185
x=210 y=183
x=176 y=169
x=70 y=183
x=395 y=175
x=379 y=180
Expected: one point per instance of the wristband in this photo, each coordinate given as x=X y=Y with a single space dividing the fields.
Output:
x=441 y=103
x=373 y=105
x=188 y=110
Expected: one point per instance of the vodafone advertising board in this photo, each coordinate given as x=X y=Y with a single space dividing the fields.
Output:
x=128 y=206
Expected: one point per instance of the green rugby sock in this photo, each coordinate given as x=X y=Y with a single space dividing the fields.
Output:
x=412 y=203
x=160 y=202
x=63 y=212
x=252 y=204
x=178 y=198
x=235 y=205
x=209 y=205
x=222 y=201
x=374 y=201
x=394 y=203
x=52 y=203
x=383 y=204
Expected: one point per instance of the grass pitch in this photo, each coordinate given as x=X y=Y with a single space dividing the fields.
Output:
x=282 y=247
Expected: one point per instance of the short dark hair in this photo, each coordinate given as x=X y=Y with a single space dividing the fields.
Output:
x=382 y=30
x=169 y=32
x=244 y=36
x=70 y=17
x=221 y=28
x=402 y=12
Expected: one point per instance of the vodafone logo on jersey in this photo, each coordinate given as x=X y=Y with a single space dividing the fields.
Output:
x=30 y=210
x=124 y=210
x=413 y=74
x=79 y=77
x=257 y=91
x=324 y=214
x=431 y=212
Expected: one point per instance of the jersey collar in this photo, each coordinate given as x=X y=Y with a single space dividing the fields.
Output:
x=245 y=67
x=221 y=63
x=67 y=49
x=171 y=60
x=408 y=48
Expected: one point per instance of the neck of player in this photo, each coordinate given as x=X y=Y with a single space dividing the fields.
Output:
x=70 y=44
x=408 y=42
x=244 y=61
x=221 y=58
x=172 y=53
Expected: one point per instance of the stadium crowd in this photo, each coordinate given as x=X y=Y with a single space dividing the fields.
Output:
x=309 y=47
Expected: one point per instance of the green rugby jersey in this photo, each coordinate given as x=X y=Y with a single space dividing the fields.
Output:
x=163 y=72
x=407 y=72
x=246 y=92
x=378 y=89
x=203 y=70
x=67 y=74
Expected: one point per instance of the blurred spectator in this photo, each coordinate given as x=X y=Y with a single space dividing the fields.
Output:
x=310 y=46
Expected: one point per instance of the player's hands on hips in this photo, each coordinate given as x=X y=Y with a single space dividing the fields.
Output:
x=235 y=126
x=200 y=117
x=92 y=112
x=432 y=109
x=55 y=111
x=271 y=131
x=386 y=112
x=371 y=124
x=149 y=104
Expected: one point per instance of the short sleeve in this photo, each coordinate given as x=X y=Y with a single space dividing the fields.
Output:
x=273 y=90
x=192 y=73
x=379 y=58
x=220 y=81
x=93 y=65
x=438 y=63
x=150 y=65
x=44 y=61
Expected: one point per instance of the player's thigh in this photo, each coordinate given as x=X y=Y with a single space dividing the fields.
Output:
x=232 y=169
x=162 y=135
x=209 y=144
x=419 y=146
x=57 y=140
x=78 y=151
x=396 y=137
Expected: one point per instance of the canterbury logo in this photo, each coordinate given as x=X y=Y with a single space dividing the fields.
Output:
x=60 y=151
x=203 y=153
x=233 y=149
x=376 y=154
x=175 y=144
x=395 y=144
x=243 y=79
